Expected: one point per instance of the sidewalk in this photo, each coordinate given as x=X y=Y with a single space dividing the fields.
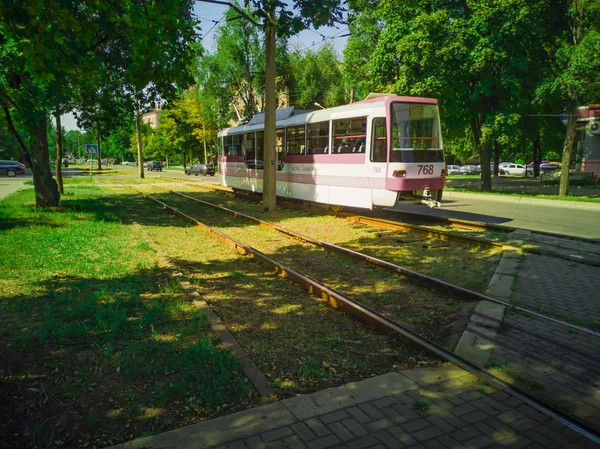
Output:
x=433 y=408
x=561 y=366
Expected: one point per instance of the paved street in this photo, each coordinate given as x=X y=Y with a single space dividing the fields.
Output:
x=564 y=217
x=10 y=185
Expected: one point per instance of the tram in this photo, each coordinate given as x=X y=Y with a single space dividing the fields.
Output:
x=372 y=153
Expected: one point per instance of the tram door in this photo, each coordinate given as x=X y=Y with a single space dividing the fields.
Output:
x=378 y=156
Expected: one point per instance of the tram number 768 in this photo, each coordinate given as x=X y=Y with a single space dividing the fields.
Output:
x=425 y=169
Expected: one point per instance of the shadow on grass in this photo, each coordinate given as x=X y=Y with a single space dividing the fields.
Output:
x=104 y=359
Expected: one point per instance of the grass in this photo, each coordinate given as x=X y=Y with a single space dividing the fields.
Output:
x=427 y=311
x=98 y=344
x=523 y=187
x=464 y=265
x=299 y=342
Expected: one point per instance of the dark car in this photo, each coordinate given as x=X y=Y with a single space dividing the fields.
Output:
x=12 y=168
x=549 y=167
x=200 y=169
x=154 y=166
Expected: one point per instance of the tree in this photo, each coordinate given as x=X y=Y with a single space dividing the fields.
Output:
x=575 y=76
x=472 y=55
x=278 y=17
x=49 y=48
x=317 y=77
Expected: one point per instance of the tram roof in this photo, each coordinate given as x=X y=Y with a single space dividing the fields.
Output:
x=291 y=116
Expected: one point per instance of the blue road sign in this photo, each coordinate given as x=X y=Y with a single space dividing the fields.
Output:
x=91 y=149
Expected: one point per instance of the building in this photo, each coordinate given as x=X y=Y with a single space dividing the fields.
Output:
x=588 y=127
x=152 y=118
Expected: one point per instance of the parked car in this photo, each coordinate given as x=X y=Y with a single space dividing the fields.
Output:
x=470 y=170
x=453 y=170
x=129 y=163
x=503 y=165
x=154 y=166
x=549 y=167
x=516 y=170
x=200 y=169
x=12 y=168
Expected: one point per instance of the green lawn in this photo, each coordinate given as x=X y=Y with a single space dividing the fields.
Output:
x=97 y=343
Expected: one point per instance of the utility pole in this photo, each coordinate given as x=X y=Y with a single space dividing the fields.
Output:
x=139 y=143
x=270 y=166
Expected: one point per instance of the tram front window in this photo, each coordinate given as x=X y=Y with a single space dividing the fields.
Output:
x=416 y=133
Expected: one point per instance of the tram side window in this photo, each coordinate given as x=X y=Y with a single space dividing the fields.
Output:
x=260 y=150
x=379 y=141
x=295 y=140
x=232 y=145
x=349 y=135
x=250 y=149
x=318 y=138
x=279 y=140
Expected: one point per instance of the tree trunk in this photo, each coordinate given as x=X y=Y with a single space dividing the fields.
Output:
x=139 y=144
x=496 y=158
x=486 y=174
x=270 y=167
x=204 y=139
x=537 y=155
x=184 y=160
x=13 y=131
x=59 y=155
x=567 y=152
x=99 y=153
x=46 y=190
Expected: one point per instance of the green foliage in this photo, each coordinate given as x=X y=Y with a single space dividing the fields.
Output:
x=317 y=77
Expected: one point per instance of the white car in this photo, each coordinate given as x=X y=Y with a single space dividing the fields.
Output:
x=503 y=165
x=129 y=163
x=453 y=170
x=515 y=170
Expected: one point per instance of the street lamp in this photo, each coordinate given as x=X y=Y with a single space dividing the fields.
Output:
x=317 y=104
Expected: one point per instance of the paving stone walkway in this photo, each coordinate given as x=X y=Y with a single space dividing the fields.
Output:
x=558 y=365
x=432 y=408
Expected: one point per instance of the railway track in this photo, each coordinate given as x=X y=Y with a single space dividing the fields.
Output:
x=365 y=313
x=446 y=288
x=590 y=248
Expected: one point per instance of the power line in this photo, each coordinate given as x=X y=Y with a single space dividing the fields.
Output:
x=216 y=22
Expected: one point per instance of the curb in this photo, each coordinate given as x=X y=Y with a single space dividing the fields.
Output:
x=478 y=341
x=244 y=424
x=524 y=200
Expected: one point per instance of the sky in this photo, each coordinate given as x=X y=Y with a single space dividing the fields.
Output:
x=211 y=16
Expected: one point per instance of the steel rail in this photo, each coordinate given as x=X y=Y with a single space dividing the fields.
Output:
x=373 y=318
x=438 y=234
x=445 y=235
x=421 y=278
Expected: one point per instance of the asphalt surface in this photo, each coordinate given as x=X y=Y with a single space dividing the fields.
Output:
x=11 y=185
x=564 y=217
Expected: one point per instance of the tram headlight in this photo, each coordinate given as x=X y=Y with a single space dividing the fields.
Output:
x=399 y=174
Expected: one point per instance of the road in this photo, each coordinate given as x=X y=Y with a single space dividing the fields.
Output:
x=565 y=217
x=11 y=185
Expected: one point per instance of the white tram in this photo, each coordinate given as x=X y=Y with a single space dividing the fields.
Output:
x=368 y=154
